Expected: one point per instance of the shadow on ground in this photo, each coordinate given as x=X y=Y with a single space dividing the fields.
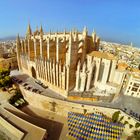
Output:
x=53 y=128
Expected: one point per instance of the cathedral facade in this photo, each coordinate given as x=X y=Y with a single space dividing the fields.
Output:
x=55 y=58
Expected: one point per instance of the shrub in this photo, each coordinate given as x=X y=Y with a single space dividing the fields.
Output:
x=126 y=122
x=129 y=118
x=136 y=134
x=5 y=79
x=130 y=126
x=115 y=116
x=137 y=125
x=85 y=111
x=3 y=89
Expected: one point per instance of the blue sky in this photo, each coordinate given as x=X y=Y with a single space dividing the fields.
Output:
x=113 y=20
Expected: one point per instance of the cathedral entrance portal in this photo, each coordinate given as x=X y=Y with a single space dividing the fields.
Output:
x=33 y=72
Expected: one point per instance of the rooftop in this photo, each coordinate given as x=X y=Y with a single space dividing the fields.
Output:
x=122 y=66
x=136 y=76
x=135 y=70
x=104 y=55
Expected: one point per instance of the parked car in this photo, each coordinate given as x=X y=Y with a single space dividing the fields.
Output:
x=125 y=109
x=25 y=87
x=28 y=88
x=34 y=90
x=16 y=104
x=131 y=112
x=20 y=81
x=39 y=91
x=38 y=82
x=45 y=86
x=25 y=84
x=13 y=78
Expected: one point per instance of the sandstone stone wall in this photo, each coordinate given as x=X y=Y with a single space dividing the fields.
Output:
x=61 y=107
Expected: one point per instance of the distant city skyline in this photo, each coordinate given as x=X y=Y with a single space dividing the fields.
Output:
x=116 y=21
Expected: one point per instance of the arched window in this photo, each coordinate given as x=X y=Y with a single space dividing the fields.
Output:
x=101 y=71
x=33 y=72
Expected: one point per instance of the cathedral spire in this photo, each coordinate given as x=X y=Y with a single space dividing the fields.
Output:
x=85 y=31
x=41 y=30
x=18 y=39
x=50 y=31
x=29 y=31
x=94 y=35
x=94 y=32
x=36 y=28
x=65 y=31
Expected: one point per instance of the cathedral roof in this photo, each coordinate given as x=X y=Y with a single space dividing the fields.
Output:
x=104 y=55
x=122 y=66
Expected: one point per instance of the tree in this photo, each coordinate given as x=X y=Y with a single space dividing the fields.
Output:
x=5 y=79
x=115 y=116
x=136 y=134
x=4 y=72
x=130 y=126
x=137 y=125
x=126 y=122
x=85 y=111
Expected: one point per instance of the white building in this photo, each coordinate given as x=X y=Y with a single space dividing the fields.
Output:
x=133 y=85
x=99 y=72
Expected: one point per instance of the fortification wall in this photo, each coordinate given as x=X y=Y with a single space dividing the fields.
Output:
x=62 y=107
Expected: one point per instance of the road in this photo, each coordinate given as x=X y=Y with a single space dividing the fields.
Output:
x=131 y=103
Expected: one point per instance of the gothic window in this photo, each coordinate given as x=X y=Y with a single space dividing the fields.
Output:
x=132 y=93
x=136 y=84
x=93 y=74
x=101 y=70
x=134 y=89
x=80 y=50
